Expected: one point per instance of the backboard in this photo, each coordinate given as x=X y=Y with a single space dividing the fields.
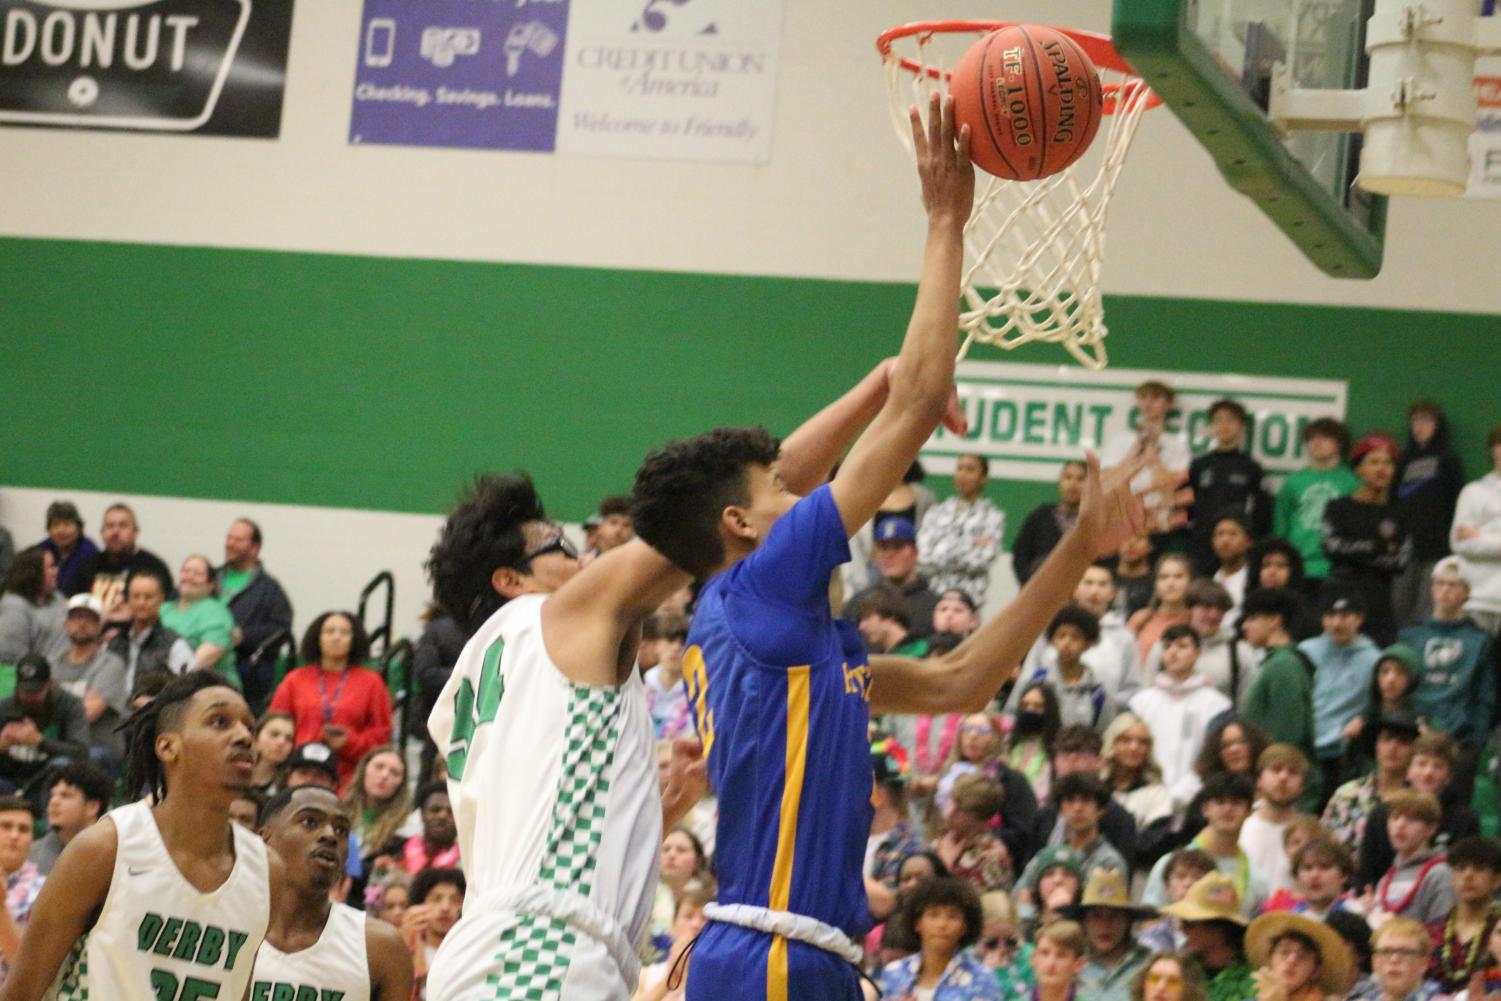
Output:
x=1211 y=61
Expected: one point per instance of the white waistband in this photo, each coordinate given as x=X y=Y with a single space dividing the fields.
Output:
x=798 y=927
x=577 y=912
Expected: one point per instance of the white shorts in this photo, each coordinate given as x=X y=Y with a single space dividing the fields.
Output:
x=502 y=955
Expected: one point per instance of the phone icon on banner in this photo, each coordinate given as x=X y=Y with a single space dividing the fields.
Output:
x=380 y=42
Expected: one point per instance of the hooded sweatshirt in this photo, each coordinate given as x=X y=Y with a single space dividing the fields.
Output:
x=1341 y=687
x=1480 y=507
x=1426 y=490
x=1455 y=692
x=1178 y=713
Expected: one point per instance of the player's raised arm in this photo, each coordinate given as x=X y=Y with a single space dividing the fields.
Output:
x=967 y=678
x=64 y=910
x=921 y=383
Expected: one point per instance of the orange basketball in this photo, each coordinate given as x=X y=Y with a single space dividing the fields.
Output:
x=1031 y=98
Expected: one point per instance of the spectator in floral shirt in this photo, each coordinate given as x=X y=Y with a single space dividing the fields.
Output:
x=968 y=846
x=1352 y=803
x=946 y=915
x=23 y=881
x=961 y=538
x=666 y=695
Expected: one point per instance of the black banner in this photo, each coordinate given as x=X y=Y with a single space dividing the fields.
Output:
x=206 y=67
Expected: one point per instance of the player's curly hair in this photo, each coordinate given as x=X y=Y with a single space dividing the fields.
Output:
x=683 y=487
x=482 y=534
x=143 y=769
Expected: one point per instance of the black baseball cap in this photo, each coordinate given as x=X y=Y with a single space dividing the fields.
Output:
x=33 y=675
x=1399 y=721
x=314 y=754
x=1342 y=601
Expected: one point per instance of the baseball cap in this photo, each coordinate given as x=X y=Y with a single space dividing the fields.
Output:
x=87 y=603
x=1456 y=565
x=314 y=754
x=593 y=521
x=896 y=530
x=33 y=674
x=1342 y=601
x=1399 y=721
x=1376 y=441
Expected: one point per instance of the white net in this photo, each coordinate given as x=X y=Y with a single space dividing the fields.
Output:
x=1034 y=249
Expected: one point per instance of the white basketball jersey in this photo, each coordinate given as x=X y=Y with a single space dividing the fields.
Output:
x=554 y=789
x=334 y=968
x=157 y=936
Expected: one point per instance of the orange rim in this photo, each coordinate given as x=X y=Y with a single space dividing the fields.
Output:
x=1098 y=47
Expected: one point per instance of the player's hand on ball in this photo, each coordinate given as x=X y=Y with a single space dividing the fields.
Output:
x=948 y=176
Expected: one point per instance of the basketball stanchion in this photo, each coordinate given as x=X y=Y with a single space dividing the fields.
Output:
x=1034 y=248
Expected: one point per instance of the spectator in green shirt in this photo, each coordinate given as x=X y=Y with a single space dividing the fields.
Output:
x=1281 y=698
x=202 y=619
x=1299 y=512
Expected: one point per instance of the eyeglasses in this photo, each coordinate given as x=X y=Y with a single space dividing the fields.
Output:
x=976 y=728
x=992 y=944
x=1163 y=979
x=1399 y=954
x=558 y=543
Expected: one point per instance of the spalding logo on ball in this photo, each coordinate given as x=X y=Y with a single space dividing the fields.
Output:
x=1031 y=98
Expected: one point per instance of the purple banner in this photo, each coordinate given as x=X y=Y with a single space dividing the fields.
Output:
x=471 y=73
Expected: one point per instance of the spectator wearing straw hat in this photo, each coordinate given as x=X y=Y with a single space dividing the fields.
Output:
x=1365 y=536
x=1115 y=957
x=1298 y=958
x=1214 y=931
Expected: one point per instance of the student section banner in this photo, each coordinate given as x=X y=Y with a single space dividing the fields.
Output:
x=657 y=79
x=204 y=67
x=1027 y=419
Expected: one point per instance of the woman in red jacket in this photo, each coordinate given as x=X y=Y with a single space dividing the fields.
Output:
x=333 y=699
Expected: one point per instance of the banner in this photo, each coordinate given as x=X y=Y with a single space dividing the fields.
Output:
x=1485 y=142
x=1027 y=419
x=658 y=79
x=207 y=67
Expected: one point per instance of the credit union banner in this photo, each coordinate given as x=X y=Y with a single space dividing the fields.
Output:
x=1027 y=419
x=209 y=67
x=655 y=79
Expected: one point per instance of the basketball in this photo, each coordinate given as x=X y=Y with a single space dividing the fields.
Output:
x=1031 y=98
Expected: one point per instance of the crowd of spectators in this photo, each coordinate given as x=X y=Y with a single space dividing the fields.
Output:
x=1239 y=764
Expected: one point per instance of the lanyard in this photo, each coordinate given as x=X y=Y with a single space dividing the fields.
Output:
x=326 y=704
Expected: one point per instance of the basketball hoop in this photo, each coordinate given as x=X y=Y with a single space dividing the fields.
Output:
x=1035 y=248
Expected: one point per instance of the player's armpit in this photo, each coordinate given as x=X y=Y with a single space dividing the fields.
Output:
x=64 y=911
x=585 y=621
x=390 y=962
